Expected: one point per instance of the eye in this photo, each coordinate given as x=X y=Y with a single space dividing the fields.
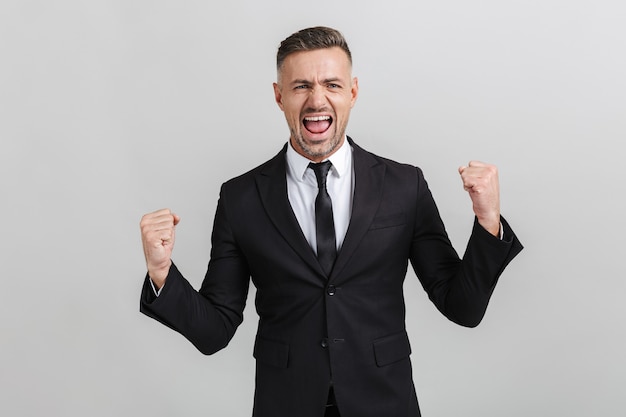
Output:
x=301 y=87
x=334 y=86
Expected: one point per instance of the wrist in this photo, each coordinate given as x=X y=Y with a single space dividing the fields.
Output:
x=491 y=224
x=159 y=275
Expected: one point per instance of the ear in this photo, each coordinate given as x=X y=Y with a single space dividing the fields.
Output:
x=278 y=96
x=354 y=91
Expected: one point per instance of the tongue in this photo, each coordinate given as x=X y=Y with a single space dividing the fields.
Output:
x=317 y=127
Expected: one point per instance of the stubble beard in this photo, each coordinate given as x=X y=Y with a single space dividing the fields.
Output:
x=316 y=153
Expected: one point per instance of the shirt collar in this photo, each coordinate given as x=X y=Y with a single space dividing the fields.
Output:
x=341 y=160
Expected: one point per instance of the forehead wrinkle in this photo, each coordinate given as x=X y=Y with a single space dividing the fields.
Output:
x=324 y=81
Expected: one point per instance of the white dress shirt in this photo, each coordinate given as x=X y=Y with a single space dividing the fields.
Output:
x=302 y=191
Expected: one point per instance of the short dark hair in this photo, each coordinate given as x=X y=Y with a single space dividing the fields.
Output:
x=310 y=39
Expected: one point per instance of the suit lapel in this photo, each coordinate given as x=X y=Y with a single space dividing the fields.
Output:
x=368 y=186
x=369 y=177
x=272 y=186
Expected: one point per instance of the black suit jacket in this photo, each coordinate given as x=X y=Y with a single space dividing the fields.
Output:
x=349 y=327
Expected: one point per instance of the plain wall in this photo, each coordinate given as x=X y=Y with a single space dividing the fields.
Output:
x=111 y=109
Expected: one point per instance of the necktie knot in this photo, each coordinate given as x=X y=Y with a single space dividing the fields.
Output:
x=321 y=172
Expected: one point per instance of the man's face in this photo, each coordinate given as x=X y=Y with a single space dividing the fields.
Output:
x=316 y=92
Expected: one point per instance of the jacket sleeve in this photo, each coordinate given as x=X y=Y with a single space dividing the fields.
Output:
x=207 y=318
x=459 y=288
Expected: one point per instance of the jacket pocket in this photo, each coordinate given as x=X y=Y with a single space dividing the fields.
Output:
x=389 y=220
x=391 y=349
x=271 y=352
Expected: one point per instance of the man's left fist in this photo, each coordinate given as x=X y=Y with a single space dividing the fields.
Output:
x=480 y=180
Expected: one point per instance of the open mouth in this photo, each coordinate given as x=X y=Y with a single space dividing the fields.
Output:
x=317 y=124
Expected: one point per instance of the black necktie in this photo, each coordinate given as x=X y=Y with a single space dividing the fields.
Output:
x=324 y=224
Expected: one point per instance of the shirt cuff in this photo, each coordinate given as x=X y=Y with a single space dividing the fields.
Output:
x=158 y=292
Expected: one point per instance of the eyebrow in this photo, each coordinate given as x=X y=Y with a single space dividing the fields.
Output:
x=326 y=81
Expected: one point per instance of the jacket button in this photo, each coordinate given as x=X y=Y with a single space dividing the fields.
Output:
x=324 y=343
x=331 y=290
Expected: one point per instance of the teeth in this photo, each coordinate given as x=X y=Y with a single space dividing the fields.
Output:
x=316 y=118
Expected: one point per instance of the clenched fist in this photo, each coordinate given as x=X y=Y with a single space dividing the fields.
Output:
x=158 y=231
x=480 y=180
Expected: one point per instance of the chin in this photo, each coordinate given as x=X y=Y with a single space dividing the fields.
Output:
x=319 y=150
x=316 y=148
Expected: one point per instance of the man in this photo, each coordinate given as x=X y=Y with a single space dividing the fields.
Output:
x=328 y=253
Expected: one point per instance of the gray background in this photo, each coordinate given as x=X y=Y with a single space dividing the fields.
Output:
x=110 y=109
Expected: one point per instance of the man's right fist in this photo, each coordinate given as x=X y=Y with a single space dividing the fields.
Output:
x=158 y=231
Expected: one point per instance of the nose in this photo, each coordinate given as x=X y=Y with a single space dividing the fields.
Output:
x=317 y=98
